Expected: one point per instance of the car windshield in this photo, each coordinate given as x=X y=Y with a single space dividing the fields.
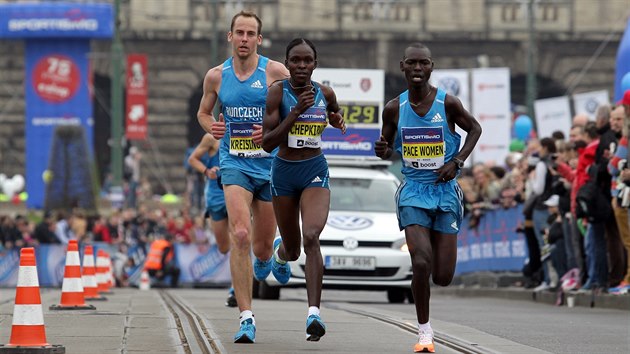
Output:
x=360 y=194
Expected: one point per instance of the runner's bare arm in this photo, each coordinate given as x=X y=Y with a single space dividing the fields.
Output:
x=272 y=134
x=211 y=85
x=456 y=114
x=384 y=147
x=335 y=118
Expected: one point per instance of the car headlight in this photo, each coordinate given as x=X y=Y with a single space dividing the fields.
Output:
x=401 y=245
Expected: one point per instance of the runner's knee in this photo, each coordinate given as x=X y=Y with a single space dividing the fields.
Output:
x=241 y=239
x=442 y=279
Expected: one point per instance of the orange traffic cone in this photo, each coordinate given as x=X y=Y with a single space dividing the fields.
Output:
x=72 y=297
x=111 y=281
x=28 y=333
x=145 y=282
x=102 y=274
x=90 y=288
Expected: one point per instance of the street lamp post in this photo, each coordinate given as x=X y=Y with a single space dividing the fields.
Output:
x=531 y=60
x=116 y=101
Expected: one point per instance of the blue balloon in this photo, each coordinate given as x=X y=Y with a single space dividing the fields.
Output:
x=625 y=83
x=523 y=127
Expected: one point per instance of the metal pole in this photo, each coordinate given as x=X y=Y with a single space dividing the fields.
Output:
x=214 y=45
x=531 y=60
x=116 y=101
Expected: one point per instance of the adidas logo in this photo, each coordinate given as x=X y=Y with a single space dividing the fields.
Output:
x=257 y=84
x=316 y=180
x=454 y=226
x=321 y=103
x=437 y=119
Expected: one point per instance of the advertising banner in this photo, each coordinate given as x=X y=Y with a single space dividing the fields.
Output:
x=203 y=265
x=360 y=94
x=137 y=92
x=56 y=93
x=587 y=102
x=56 y=19
x=553 y=114
x=456 y=82
x=494 y=245
x=491 y=102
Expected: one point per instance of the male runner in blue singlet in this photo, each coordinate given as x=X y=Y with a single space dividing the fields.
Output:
x=420 y=125
x=298 y=111
x=240 y=84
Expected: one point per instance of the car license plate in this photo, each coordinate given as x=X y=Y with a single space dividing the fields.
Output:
x=341 y=262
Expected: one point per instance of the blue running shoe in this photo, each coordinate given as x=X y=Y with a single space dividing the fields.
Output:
x=231 y=299
x=262 y=269
x=315 y=328
x=282 y=272
x=247 y=332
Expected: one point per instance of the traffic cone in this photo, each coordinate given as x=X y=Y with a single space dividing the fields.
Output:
x=145 y=281
x=28 y=333
x=102 y=274
x=72 y=297
x=90 y=288
x=111 y=281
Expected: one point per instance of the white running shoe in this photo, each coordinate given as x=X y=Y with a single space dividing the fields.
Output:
x=425 y=342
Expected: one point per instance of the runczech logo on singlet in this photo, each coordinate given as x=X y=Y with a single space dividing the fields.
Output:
x=423 y=147
x=307 y=130
x=241 y=142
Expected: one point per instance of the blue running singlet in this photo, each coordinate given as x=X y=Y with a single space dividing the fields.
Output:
x=307 y=130
x=424 y=143
x=243 y=104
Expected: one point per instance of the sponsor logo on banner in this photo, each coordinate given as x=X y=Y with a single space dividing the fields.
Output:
x=56 y=78
x=137 y=92
x=205 y=266
x=9 y=264
x=356 y=142
x=450 y=84
x=491 y=87
x=366 y=84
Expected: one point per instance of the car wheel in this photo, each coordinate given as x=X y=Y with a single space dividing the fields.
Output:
x=267 y=292
x=409 y=296
x=255 y=289
x=396 y=296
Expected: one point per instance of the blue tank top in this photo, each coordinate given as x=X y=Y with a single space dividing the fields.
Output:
x=214 y=194
x=242 y=105
x=424 y=143
x=307 y=130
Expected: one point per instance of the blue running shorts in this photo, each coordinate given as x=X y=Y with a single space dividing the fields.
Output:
x=290 y=178
x=216 y=212
x=257 y=186
x=437 y=207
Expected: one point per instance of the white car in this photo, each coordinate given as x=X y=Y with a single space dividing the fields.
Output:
x=361 y=244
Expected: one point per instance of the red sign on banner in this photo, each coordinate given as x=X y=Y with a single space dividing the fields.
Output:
x=56 y=78
x=137 y=92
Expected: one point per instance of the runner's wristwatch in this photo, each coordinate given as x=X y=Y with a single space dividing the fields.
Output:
x=459 y=163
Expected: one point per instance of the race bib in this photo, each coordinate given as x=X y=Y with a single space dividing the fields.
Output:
x=307 y=130
x=241 y=143
x=423 y=147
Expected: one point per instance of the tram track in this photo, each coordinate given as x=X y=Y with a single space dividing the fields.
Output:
x=193 y=332
x=455 y=344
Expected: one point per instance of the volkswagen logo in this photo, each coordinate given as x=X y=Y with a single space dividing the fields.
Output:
x=450 y=85
x=347 y=222
x=350 y=243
